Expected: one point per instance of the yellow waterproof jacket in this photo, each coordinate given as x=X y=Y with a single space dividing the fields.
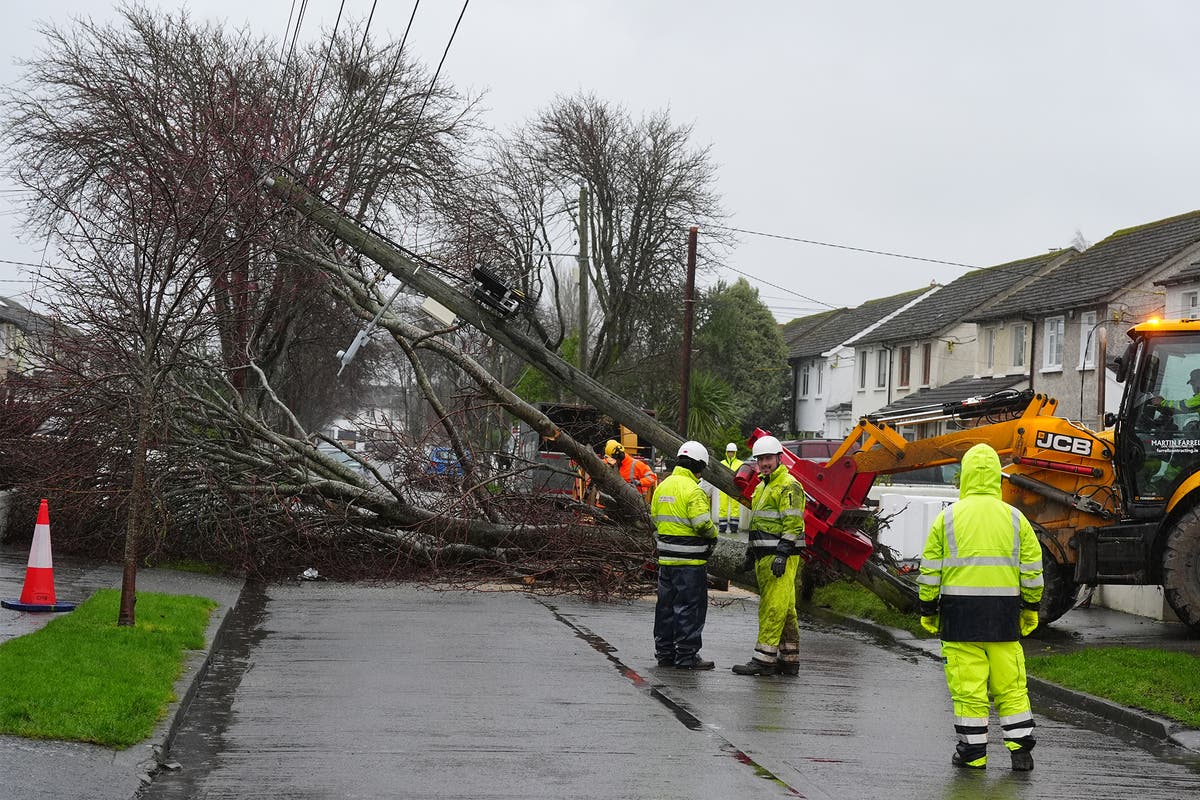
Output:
x=681 y=515
x=982 y=561
x=730 y=508
x=777 y=515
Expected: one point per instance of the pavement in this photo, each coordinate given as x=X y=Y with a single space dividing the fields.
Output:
x=314 y=687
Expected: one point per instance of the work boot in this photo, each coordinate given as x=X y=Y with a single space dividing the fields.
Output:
x=785 y=668
x=697 y=663
x=1022 y=760
x=957 y=761
x=753 y=667
x=665 y=662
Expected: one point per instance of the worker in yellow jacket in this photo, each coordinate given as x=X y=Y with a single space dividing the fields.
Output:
x=980 y=587
x=775 y=541
x=729 y=509
x=685 y=537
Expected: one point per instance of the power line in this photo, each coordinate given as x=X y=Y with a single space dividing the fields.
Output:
x=777 y=286
x=844 y=247
x=20 y=263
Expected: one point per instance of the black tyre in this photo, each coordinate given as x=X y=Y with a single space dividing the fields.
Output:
x=1060 y=590
x=1181 y=568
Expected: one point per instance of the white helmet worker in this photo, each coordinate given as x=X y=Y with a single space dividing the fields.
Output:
x=694 y=451
x=731 y=448
x=766 y=446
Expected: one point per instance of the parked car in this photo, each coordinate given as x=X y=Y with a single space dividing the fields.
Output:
x=442 y=461
x=813 y=449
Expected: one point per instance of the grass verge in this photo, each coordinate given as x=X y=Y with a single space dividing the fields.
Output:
x=852 y=599
x=1162 y=682
x=83 y=678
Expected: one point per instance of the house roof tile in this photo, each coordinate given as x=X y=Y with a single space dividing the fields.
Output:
x=847 y=323
x=953 y=303
x=1103 y=269
x=953 y=392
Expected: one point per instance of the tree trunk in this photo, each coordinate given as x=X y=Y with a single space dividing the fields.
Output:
x=136 y=517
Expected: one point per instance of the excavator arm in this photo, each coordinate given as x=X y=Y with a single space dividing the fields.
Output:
x=1012 y=423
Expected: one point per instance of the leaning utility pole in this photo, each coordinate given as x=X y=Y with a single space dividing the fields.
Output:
x=584 y=273
x=689 y=316
x=409 y=269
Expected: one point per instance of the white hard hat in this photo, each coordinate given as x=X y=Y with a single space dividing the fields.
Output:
x=731 y=448
x=694 y=451
x=766 y=446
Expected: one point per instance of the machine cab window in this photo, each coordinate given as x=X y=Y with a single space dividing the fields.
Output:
x=1162 y=445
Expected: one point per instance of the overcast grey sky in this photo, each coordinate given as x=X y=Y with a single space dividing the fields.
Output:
x=968 y=132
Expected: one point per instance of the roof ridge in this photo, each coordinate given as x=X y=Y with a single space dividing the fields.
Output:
x=1146 y=225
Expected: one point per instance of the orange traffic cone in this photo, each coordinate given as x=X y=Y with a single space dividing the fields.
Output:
x=38 y=591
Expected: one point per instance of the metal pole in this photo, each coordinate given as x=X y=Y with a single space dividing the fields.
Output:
x=689 y=314
x=1101 y=372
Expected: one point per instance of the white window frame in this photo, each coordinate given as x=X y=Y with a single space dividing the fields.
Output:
x=989 y=336
x=1189 y=304
x=1020 y=339
x=881 y=370
x=1052 y=343
x=820 y=379
x=1087 y=340
x=862 y=370
x=805 y=378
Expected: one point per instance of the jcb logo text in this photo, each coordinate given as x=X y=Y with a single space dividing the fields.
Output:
x=1064 y=443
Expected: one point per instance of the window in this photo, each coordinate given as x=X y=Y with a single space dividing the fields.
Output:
x=905 y=365
x=926 y=363
x=1052 y=358
x=1190 y=302
x=862 y=369
x=804 y=373
x=989 y=344
x=820 y=378
x=1018 y=345
x=1087 y=340
x=881 y=370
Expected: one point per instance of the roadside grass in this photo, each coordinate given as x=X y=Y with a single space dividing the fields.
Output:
x=83 y=678
x=847 y=597
x=1162 y=682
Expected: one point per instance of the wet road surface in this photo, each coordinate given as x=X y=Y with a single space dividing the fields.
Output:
x=324 y=690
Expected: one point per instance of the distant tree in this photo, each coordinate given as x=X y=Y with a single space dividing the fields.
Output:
x=738 y=340
x=645 y=182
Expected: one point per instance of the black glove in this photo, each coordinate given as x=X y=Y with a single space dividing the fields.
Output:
x=778 y=565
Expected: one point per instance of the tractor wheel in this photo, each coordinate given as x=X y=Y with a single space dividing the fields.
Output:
x=1181 y=568
x=1060 y=590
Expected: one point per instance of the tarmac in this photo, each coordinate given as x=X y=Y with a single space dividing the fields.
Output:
x=301 y=685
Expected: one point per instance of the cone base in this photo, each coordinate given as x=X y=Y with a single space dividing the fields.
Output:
x=17 y=605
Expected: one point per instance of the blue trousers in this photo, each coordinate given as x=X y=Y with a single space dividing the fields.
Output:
x=680 y=613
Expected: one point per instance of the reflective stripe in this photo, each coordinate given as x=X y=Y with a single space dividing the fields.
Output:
x=983 y=591
x=682 y=549
x=931 y=563
x=762 y=539
x=980 y=561
x=930 y=580
x=948 y=526
x=1030 y=566
x=765 y=514
x=1020 y=716
x=1032 y=583
x=792 y=512
x=699 y=520
x=670 y=518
